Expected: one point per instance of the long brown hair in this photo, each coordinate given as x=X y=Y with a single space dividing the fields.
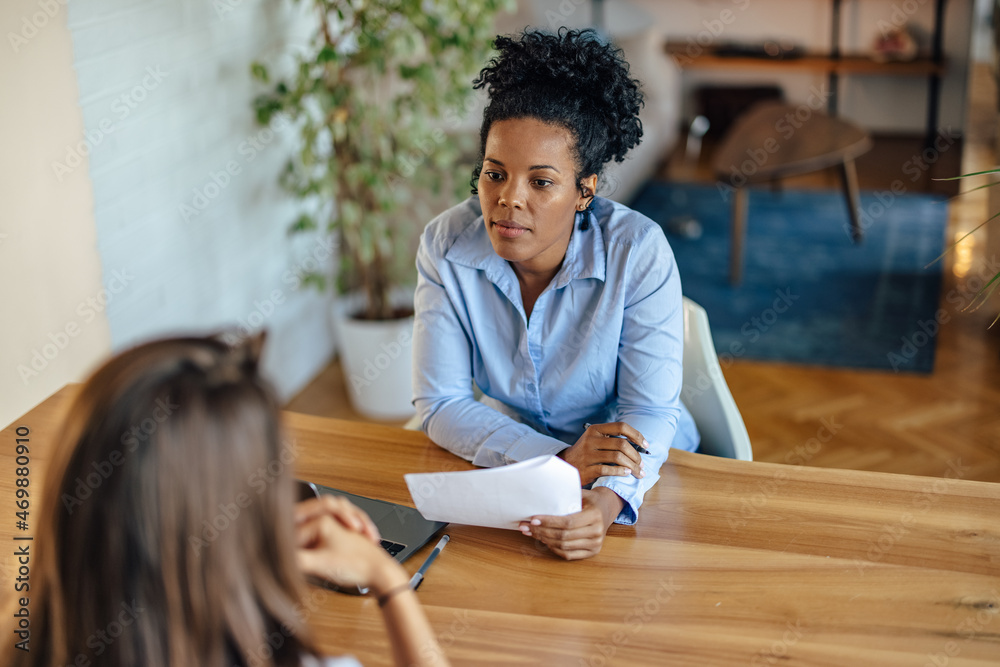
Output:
x=167 y=535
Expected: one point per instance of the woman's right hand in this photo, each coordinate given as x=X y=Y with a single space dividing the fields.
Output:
x=338 y=542
x=599 y=453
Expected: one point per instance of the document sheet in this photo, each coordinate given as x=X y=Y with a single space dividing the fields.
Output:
x=498 y=497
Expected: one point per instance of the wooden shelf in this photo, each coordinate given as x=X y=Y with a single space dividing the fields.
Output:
x=834 y=64
x=815 y=63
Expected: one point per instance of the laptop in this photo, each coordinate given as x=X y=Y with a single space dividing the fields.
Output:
x=402 y=529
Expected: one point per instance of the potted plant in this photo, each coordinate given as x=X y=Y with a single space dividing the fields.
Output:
x=987 y=290
x=371 y=96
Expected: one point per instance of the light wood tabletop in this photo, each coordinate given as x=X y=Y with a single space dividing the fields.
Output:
x=731 y=563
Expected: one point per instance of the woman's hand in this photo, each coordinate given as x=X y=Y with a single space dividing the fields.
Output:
x=579 y=535
x=598 y=453
x=338 y=542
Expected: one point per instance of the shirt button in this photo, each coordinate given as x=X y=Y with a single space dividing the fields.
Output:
x=531 y=387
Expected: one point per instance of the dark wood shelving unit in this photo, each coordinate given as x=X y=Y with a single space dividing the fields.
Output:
x=834 y=64
x=814 y=63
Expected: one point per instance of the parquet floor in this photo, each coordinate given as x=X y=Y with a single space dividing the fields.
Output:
x=943 y=424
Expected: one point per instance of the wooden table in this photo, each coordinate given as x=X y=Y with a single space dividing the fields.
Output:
x=774 y=140
x=732 y=563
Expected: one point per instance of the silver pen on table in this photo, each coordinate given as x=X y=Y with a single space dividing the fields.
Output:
x=418 y=576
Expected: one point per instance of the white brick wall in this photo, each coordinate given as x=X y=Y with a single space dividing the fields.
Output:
x=166 y=98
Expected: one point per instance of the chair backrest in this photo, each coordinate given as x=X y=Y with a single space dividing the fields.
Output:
x=706 y=394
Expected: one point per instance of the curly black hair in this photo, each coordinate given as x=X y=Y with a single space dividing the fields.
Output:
x=571 y=79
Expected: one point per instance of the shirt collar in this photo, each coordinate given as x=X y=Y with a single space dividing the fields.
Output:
x=585 y=255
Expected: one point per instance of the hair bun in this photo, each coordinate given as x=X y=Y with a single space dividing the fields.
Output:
x=571 y=64
x=571 y=78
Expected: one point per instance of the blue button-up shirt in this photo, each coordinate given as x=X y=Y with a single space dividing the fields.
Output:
x=604 y=343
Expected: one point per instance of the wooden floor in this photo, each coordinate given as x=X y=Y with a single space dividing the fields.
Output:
x=943 y=424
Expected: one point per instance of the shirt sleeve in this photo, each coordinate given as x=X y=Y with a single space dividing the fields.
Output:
x=650 y=355
x=442 y=380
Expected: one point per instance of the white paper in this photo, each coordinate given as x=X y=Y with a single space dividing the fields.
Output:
x=498 y=497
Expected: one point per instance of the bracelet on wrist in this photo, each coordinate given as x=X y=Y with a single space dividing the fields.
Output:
x=383 y=599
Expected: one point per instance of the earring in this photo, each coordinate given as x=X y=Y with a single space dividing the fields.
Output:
x=585 y=209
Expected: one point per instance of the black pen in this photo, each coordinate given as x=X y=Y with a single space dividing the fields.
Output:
x=638 y=448
x=418 y=577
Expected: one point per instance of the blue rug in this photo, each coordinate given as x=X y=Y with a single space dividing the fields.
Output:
x=809 y=295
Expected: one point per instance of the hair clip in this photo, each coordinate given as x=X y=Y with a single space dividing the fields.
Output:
x=239 y=361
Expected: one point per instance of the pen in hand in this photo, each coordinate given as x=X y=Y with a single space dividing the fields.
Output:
x=418 y=576
x=638 y=448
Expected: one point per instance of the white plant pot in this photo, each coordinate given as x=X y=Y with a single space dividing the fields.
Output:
x=377 y=360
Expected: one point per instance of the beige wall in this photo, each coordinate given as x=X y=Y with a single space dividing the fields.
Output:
x=53 y=328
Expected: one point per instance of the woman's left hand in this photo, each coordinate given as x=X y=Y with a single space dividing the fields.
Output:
x=578 y=535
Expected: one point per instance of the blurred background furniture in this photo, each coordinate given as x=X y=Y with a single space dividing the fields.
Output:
x=773 y=140
x=835 y=64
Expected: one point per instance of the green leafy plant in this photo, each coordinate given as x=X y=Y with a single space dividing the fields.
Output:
x=987 y=290
x=371 y=96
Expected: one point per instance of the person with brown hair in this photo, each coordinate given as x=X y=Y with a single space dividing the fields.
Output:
x=186 y=548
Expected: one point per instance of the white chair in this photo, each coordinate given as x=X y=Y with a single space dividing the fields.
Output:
x=706 y=394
